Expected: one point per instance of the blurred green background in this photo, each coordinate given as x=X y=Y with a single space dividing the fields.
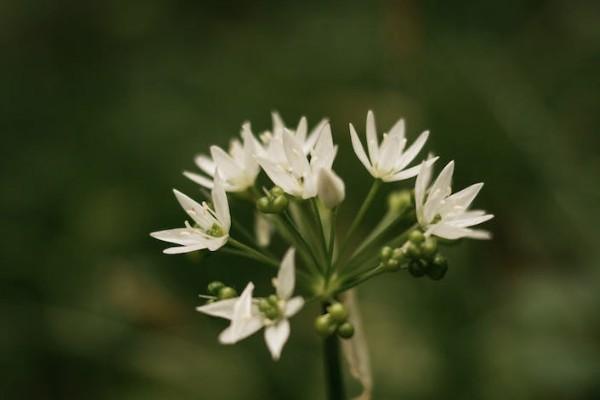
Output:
x=103 y=104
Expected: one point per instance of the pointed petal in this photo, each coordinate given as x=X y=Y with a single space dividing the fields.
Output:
x=398 y=129
x=276 y=336
x=301 y=130
x=221 y=309
x=390 y=149
x=199 y=179
x=278 y=124
x=463 y=198
x=314 y=135
x=466 y=221
x=423 y=178
x=206 y=164
x=226 y=165
x=194 y=210
x=280 y=177
x=286 y=278
x=324 y=151
x=215 y=243
x=219 y=198
x=182 y=236
x=414 y=149
x=242 y=331
x=293 y=305
x=185 y=249
x=359 y=150
x=372 y=143
x=295 y=154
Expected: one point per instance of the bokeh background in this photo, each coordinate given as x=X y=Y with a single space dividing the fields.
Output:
x=103 y=104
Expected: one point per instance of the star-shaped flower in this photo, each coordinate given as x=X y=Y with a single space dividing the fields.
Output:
x=248 y=315
x=290 y=168
x=447 y=215
x=238 y=168
x=388 y=160
x=211 y=229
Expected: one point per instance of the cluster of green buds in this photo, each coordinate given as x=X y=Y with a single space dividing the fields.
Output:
x=400 y=200
x=220 y=291
x=274 y=201
x=270 y=307
x=419 y=254
x=335 y=320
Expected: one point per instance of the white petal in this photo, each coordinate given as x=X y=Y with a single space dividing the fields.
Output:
x=215 y=243
x=241 y=331
x=276 y=336
x=463 y=198
x=282 y=179
x=199 y=179
x=324 y=151
x=421 y=184
x=206 y=164
x=331 y=188
x=278 y=124
x=409 y=172
x=466 y=221
x=286 y=278
x=295 y=154
x=388 y=151
x=410 y=154
x=182 y=236
x=221 y=309
x=313 y=136
x=219 y=198
x=359 y=150
x=226 y=165
x=440 y=189
x=250 y=164
x=194 y=210
x=293 y=305
x=398 y=129
x=185 y=249
x=372 y=143
x=301 y=130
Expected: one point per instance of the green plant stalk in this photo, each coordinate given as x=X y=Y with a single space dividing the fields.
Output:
x=323 y=241
x=300 y=241
x=333 y=366
x=331 y=246
x=359 y=217
x=253 y=253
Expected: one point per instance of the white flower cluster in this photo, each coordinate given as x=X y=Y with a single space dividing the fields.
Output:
x=300 y=164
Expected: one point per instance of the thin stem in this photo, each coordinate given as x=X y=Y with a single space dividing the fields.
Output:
x=253 y=253
x=321 y=230
x=333 y=367
x=360 y=278
x=289 y=222
x=331 y=245
x=361 y=214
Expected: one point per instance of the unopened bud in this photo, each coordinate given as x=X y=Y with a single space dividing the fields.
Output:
x=330 y=188
x=429 y=247
x=263 y=204
x=214 y=287
x=324 y=325
x=345 y=330
x=399 y=200
x=227 y=293
x=338 y=312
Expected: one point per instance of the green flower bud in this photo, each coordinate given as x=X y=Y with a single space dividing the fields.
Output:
x=264 y=305
x=227 y=293
x=385 y=253
x=417 y=268
x=263 y=205
x=279 y=204
x=416 y=236
x=214 y=287
x=399 y=200
x=398 y=254
x=429 y=247
x=277 y=191
x=392 y=265
x=338 y=312
x=345 y=330
x=412 y=250
x=324 y=325
x=438 y=268
x=272 y=313
x=273 y=299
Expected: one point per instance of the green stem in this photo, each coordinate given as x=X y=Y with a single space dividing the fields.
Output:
x=360 y=215
x=253 y=253
x=333 y=367
x=289 y=222
x=356 y=280
x=331 y=245
x=321 y=230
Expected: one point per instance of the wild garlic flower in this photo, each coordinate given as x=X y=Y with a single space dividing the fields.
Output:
x=447 y=215
x=248 y=315
x=270 y=144
x=238 y=168
x=388 y=160
x=330 y=188
x=290 y=168
x=211 y=228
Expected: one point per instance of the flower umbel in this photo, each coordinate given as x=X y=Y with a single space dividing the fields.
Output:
x=211 y=229
x=447 y=215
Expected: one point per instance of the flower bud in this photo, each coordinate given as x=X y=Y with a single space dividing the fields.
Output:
x=227 y=293
x=263 y=204
x=412 y=250
x=324 y=325
x=399 y=200
x=416 y=268
x=338 y=312
x=416 y=236
x=279 y=204
x=277 y=191
x=438 y=268
x=385 y=253
x=429 y=247
x=330 y=188
x=345 y=330
x=215 y=287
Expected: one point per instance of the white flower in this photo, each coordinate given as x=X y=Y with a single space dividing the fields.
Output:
x=268 y=147
x=447 y=215
x=238 y=168
x=247 y=318
x=290 y=168
x=389 y=160
x=331 y=188
x=212 y=225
